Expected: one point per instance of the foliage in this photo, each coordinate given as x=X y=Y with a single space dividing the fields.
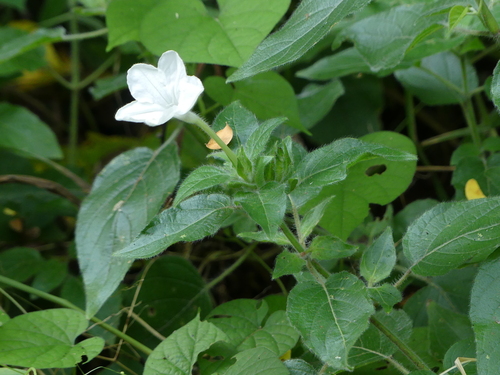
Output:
x=305 y=241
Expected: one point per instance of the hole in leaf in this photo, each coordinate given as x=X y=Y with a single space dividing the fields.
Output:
x=375 y=169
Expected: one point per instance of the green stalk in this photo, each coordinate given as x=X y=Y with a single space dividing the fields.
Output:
x=405 y=349
x=192 y=118
x=88 y=35
x=69 y=305
x=75 y=92
x=468 y=109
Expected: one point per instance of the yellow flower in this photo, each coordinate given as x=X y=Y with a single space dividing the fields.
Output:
x=473 y=190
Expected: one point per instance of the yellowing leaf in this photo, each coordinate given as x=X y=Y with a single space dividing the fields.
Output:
x=225 y=135
x=473 y=190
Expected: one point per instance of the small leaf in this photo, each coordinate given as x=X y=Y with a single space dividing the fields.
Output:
x=194 y=219
x=451 y=234
x=485 y=305
x=266 y=206
x=177 y=354
x=259 y=360
x=379 y=259
x=225 y=135
x=287 y=263
x=45 y=339
x=33 y=137
x=277 y=238
x=260 y=137
x=473 y=190
x=241 y=119
x=455 y=15
x=386 y=295
x=310 y=22
x=341 y=304
x=202 y=178
x=330 y=247
x=312 y=218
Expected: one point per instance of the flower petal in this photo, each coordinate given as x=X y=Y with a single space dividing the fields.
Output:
x=172 y=66
x=189 y=90
x=151 y=114
x=147 y=84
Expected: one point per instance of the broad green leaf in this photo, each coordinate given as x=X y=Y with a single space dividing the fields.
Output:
x=299 y=367
x=341 y=305
x=455 y=15
x=187 y=27
x=446 y=328
x=383 y=38
x=330 y=247
x=409 y=214
x=20 y=263
x=277 y=238
x=452 y=234
x=51 y=275
x=260 y=137
x=379 y=258
x=380 y=181
x=288 y=263
x=440 y=79
x=386 y=295
x=18 y=4
x=125 y=196
x=485 y=305
x=315 y=101
x=172 y=294
x=194 y=219
x=45 y=339
x=310 y=22
x=450 y=291
x=33 y=137
x=259 y=360
x=27 y=42
x=177 y=354
x=466 y=349
x=30 y=60
x=420 y=343
x=266 y=206
x=106 y=86
x=373 y=346
x=495 y=86
x=242 y=321
x=268 y=95
x=329 y=164
x=202 y=178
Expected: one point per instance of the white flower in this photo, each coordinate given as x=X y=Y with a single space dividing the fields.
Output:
x=160 y=93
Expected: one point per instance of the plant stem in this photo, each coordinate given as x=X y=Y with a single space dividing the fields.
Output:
x=468 y=109
x=293 y=240
x=405 y=349
x=487 y=18
x=88 y=35
x=69 y=305
x=75 y=92
x=192 y=118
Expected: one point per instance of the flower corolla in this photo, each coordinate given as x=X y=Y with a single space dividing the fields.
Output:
x=160 y=93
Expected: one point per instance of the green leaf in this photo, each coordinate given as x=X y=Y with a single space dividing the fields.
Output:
x=45 y=339
x=310 y=22
x=452 y=234
x=495 y=86
x=277 y=238
x=409 y=214
x=288 y=263
x=386 y=295
x=30 y=60
x=373 y=345
x=455 y=15
x=241 y=120
x=341 y=304
x=106 y=86
x=330 y=247
x=242 y=321
x=33 y=137
x=20 y=263
x=465 y=348
x=311 y=219
x=172 y=294
x=379 y=259
x=265 y=206
x=257 y=361
x=260 y=137
x=439 y=79
x=226 y=39
x=18 y=4
x=177 y=354
x=194 y=219
x=450 y=291
x=28 y=42
x=315 y=101
x=329 y=164
x=299 y=367
x=383 y=38
x=125 y=196
x=380 y=181
x=446 y=328
x=485 y=304
x=52 y=274
x=202 y=178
